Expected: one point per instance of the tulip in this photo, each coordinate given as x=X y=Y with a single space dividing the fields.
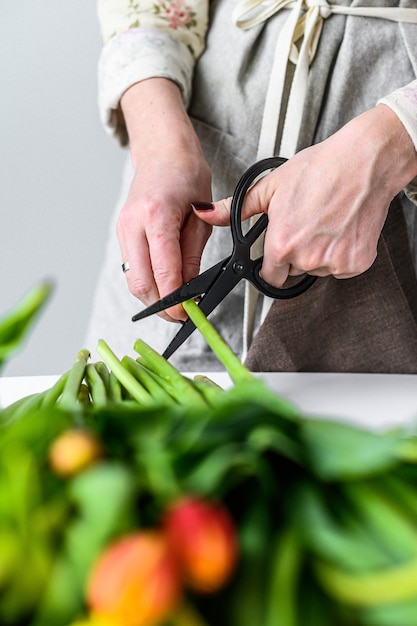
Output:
x=73 y=451
x=202 y=536
x=135 y=581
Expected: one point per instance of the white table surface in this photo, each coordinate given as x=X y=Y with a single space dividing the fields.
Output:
x=377 y=400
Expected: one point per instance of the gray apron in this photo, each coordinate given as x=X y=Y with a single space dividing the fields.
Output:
x=363 y=324
x=358 y=61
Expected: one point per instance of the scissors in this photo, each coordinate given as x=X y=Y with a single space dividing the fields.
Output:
x=213 y=285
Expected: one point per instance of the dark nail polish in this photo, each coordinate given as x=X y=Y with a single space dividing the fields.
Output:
x=202 y=206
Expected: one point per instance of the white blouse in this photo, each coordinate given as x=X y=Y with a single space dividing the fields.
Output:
x=148 y=38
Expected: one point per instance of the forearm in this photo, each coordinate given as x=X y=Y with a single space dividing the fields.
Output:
x=157 y=121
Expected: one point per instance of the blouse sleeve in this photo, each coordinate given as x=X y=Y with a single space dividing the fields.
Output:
x=144 y=39
x=403 y=102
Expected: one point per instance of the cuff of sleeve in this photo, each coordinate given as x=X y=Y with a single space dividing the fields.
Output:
x=403 y=102
x=135 y=55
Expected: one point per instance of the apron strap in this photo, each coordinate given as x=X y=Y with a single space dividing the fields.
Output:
x=304 y=23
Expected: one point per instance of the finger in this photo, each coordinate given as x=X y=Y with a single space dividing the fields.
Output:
x=194 y=237
x=345 y=275
x=295 y=271
x=166 y=263
x=139 y=277
x=275 y=275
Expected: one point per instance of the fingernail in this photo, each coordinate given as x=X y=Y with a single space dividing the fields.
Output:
x=203 y=206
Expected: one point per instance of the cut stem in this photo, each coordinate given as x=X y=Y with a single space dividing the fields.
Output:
x=149 y=380
x=69 y=398
x=126 y=379
x=178 y=385
x=96 y=385
x=236 y=370
x=53 y=394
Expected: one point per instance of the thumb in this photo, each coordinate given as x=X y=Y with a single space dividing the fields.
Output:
x=214 y=213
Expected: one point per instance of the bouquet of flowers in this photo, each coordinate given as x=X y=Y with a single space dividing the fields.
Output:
x=132 y=495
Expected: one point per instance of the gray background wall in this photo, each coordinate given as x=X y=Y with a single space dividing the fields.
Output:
x=59 y=172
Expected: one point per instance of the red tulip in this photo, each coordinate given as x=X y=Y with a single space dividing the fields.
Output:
x=74 y=450
x=135 y=581
x=202 y=536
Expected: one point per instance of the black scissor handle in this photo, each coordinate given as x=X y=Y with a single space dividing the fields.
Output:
x=280 y=293
x=247 y=179
x=240 y=239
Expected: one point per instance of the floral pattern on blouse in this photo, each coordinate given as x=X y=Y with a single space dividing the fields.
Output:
x=143 y=39
x=188 y=18
x=177 y=13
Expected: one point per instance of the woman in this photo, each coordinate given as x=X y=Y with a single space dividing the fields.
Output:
x=334 y=84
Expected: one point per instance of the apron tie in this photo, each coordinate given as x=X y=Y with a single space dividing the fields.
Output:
x=297 y=43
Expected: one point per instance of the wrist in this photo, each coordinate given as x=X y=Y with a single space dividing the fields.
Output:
x=400 y=146
x=385 y=143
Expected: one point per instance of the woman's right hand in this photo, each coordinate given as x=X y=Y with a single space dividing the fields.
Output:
x=159 y=234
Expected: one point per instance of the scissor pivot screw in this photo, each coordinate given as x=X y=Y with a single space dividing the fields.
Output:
x=238 y=267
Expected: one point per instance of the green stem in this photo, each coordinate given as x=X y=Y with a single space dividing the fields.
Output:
x=236 y=370
x=69 y=397
x=149 y=380
x=129 y=382
x=96 y=385
x=53 y=394
x=179 y=386
x=208 y=388
x=102 y=369
x=115 y=389
x=15 y=411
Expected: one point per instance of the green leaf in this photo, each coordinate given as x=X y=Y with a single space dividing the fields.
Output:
x=338 y=450
x=211 y=474
x=341 y=538
x=103 y=495
x=15 y=325
x=282 y=603
x=403 y=613
x=104 y=499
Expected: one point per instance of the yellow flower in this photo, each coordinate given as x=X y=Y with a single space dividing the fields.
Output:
x=74 y=450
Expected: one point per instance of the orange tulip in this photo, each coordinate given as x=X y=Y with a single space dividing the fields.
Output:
x=74 y=450
x=135 y=581
x=202 y=536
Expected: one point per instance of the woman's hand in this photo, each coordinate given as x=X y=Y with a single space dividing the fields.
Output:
x=159 y=234
x=327 y=205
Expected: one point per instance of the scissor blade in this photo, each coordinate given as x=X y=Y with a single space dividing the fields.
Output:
x=193 y=288
x=224 y=285
x=185 y=331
